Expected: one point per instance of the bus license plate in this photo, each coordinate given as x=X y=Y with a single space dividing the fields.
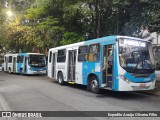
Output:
x=142 y=85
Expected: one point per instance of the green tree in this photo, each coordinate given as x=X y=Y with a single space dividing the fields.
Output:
x=50 y=23
x=138 y=14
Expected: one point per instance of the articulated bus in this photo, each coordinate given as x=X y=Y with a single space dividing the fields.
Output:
x=117 y=63
x=25 y=63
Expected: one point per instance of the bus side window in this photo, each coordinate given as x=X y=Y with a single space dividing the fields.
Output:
x=5 y=59
x=20 y=59
x=90 y=57
x=10 y=59
x=94 y=52
x=82 y=53
x=50 y=56
x=61 y=57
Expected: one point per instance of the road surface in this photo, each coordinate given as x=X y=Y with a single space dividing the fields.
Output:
x=40 y=93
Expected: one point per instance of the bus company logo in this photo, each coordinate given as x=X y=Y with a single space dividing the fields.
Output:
x=146 y=79
x=85 y=66
x=6 y=114
x=61 y=67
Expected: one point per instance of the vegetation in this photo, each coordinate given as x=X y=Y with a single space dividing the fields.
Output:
x=49 y=23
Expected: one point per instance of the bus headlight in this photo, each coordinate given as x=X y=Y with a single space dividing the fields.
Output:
x=124 y=78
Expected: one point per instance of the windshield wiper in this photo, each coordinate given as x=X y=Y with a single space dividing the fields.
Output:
x=141 y=59
x=148 y=64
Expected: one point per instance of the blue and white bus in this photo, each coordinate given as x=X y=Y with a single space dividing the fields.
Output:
x=117 y=63
x=25 y=63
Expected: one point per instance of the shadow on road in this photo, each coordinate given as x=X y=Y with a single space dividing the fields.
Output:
x=108 y=93
x=121 y=95
x=32 y=75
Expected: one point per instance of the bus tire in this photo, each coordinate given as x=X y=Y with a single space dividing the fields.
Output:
x=9 y=71
x=93 y=85
x=60 y=78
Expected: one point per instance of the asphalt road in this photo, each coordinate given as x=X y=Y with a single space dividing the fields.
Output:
x=40 y=93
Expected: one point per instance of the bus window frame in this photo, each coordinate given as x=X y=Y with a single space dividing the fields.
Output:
x=83 y=54
x=61 y=56
x=93 y=53
x=50 y=56
x=20 y=59
x=10 y=59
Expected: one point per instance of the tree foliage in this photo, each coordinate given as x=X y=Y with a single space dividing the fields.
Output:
x=44 y=24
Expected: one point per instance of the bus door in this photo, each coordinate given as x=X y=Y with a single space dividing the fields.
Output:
x=72 y=65
x=107 y=65
x=54 y=65
x=25 y=65
x=14 y=64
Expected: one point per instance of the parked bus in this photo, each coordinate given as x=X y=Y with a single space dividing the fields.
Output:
x=25 y=63
x=117 y=63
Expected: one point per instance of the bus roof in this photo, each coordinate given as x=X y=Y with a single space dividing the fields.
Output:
x=135 y=38
x=69 y=45
x=10 y=54
x=84 y=42
x=97 y=40
x=30 y=54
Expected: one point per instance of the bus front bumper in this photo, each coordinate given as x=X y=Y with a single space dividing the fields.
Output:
x=131 y=86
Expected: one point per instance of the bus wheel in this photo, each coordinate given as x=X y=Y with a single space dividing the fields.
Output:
x=93 y=85
x=60 y=78
x=9 y=71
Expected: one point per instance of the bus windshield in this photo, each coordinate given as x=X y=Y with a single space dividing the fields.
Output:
x=37 y=60
x=136 y=56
